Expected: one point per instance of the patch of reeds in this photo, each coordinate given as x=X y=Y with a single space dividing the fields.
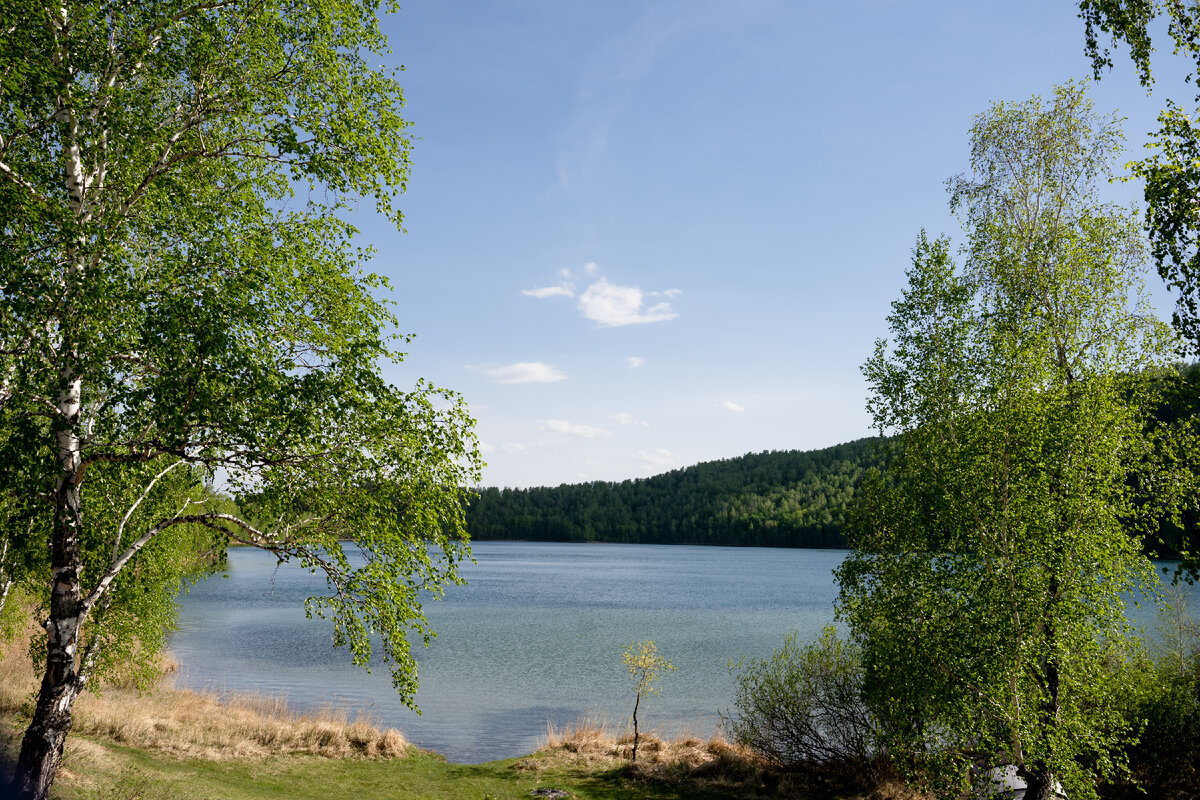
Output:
x=686 y=759
x=205 y=724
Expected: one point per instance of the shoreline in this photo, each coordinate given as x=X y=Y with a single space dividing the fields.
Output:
x=182 y=743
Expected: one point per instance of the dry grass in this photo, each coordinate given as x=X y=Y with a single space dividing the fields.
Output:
x=710 y=762
x=687 y=759
x=593 y=739
x=205 y=724
x=214 y=725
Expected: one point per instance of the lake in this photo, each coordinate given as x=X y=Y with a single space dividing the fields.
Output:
x=535 y=637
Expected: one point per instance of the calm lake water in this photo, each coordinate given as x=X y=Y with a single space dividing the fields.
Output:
x=535 y=637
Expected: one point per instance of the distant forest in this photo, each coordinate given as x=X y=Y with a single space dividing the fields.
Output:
x=784 y=498
x=787 y=498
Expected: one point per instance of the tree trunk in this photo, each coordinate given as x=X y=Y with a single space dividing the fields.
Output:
x=5 y=581
x=636 y=703
x=1040 y=785
x=42 y=747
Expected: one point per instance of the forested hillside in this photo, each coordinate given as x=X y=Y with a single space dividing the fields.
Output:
x=775 y=499
x=785 y=498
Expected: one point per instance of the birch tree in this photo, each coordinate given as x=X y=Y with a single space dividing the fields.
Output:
x=181 y=301
x=991 y=560
x=1170 y=173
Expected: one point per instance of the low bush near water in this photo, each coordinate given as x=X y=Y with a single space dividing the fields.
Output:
x=1163 y=703
x=802 y=710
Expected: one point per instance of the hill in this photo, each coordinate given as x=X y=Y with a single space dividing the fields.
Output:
x=787 y=498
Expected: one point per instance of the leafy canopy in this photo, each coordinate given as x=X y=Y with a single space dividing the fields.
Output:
x=1170 y=173
x=181 y=302
x=992 y=557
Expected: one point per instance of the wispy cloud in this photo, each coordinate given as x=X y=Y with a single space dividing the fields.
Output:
x=609 y=76
x=625 y=418
x=729 y=405
x=635 y=361
x=659 y=459
x=571 y=429
x=524 y=372
x=615 y=67
x=549 y=291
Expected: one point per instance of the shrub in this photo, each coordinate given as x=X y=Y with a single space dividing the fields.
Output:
x=1165 y=705
x=802 y=709
x=1166 y=760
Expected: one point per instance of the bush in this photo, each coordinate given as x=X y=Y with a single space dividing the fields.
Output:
x=1165 y=761
x=802 y=709
x=1162 y=704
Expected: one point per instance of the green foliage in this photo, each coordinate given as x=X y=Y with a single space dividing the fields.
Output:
x=646 y=667
x=210 y=318
x=181 y=301
x=1171 y=180
x=993 y=556
x=1170 y=173
x=787 y=498
x=1160 y=698
x=771 y=499
x=1165 y=760
x=803 y=710
x=139 y=611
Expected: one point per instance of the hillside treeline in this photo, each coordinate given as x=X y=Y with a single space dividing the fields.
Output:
x=771 y=499
x=787 y=498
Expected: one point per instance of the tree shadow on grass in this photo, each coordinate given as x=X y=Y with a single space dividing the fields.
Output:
x=583 y=781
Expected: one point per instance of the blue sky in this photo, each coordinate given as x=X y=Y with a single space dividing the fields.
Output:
x=642 y=235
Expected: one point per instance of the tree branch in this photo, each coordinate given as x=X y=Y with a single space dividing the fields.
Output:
x=145 y=493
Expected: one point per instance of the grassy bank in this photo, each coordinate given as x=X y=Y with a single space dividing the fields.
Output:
x=185 y=745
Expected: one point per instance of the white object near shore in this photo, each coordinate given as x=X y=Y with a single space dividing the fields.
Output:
x=1006 y=783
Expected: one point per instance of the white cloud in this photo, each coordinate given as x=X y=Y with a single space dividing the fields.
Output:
x=625 y=418
x=609 y=304
x=612 y=305
x=571 y=429
x=635 y=361
x=549 y=291
x=729 y=405
x=659 y=459
x=525 y=372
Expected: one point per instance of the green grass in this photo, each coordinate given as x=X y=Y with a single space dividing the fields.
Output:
x=101 y=769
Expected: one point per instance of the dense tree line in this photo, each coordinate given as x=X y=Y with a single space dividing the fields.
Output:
x=772 y=499
x=779 y=498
